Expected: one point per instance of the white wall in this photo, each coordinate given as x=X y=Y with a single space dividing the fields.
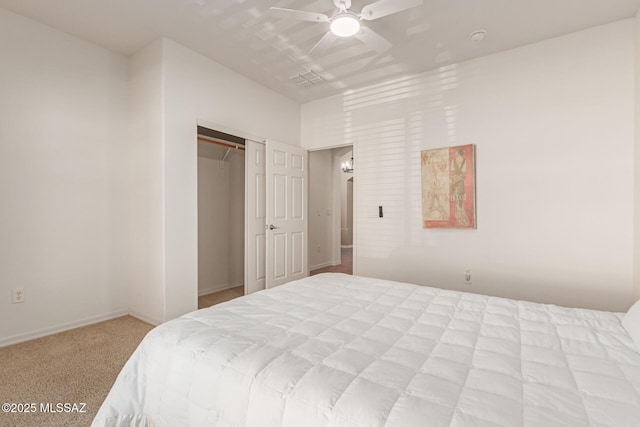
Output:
x=636 y=221
x=95 y=217
x=199 y=88
x=553 y=124
x=220 y=219
x=320 y=208
x=145 y=246
x=62 y=180
x=99 y=164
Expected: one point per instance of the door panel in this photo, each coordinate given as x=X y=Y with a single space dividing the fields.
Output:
x=297 y=162
x=297 y=249
x=261 y=206
x=255 y=211
x=259 y=272
x=279 y=255
x=286 y=196
x=279 y=158
x=297 y=198
x=279 y=197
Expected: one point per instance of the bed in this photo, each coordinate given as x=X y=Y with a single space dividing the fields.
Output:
x=339 y=350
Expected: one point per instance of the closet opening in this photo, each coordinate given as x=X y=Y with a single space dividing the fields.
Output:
x=221 y=216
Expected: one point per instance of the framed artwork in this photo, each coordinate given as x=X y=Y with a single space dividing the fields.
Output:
x=449 y=187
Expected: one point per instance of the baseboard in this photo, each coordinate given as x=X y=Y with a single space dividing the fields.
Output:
x=15 y=339
x=322 y=265
x=144 y=318
x=216 y=288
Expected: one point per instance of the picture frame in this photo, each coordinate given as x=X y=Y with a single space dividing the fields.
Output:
x=449 y=187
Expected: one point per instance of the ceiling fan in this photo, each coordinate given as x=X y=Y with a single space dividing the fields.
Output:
x=346 y=23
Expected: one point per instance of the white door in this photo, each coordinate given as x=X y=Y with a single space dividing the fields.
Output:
x=255 y=217
x=286 y=215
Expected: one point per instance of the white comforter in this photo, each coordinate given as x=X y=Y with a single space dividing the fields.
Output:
x=337 y=350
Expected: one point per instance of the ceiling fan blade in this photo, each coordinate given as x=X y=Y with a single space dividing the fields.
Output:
x=302 y=15
x=324 y=43
x=374 y=40
x=383 y=8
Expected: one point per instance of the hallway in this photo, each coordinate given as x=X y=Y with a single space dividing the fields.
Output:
x=346 y=266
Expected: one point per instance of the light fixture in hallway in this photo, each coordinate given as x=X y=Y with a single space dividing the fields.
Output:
x=347 y=166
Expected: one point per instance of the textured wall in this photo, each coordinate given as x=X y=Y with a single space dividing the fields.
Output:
x=553 y=124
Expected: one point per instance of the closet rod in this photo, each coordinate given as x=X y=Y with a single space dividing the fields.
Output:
x=223 y=143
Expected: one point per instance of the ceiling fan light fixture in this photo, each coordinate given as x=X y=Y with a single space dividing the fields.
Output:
x=345 y=25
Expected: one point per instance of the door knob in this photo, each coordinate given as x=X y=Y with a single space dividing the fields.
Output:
x=270 y=227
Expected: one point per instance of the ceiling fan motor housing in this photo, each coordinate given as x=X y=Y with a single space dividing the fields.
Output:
x=346 y=23
x=342 y=4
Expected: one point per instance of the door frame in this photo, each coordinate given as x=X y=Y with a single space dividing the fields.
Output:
x=253 y=226
x=247 y=137
x=336 y=206
x=261 y=140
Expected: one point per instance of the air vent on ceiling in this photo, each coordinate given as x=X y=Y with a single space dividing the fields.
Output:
x=307 y=78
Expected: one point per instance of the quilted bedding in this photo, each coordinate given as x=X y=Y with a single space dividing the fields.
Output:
x=337 y=350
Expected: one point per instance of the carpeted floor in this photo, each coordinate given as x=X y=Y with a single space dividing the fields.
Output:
x=77 y=366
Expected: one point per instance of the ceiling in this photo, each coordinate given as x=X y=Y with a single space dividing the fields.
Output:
x=242 y=35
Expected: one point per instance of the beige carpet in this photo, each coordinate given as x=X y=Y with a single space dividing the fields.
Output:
x=77 y=366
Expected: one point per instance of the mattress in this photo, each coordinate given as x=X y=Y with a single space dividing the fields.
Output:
x=338 y=350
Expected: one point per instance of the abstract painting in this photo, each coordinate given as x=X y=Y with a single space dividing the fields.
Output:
x=448 y=187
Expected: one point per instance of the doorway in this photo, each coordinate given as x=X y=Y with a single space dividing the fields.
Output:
x=252 y=205
x=221 y=206
x=331 y=208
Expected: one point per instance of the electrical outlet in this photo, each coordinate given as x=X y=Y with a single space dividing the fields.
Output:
x=467 y=277
x=17 y=295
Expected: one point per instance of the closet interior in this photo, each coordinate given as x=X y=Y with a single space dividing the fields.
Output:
x=221 y=199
